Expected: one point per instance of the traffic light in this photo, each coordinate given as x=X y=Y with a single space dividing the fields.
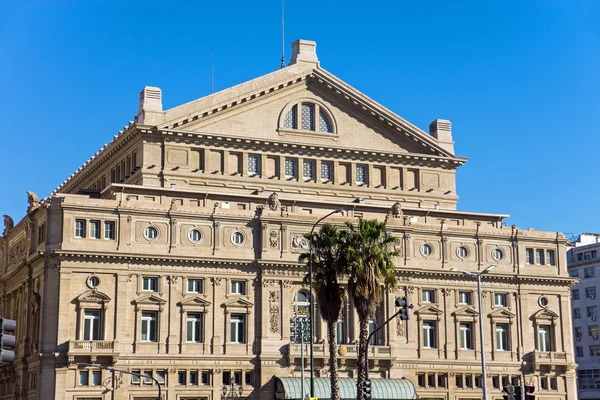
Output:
x=508 y=392
x=402 y=302
x=368 y=390
x=7 y=342
x=529 y=389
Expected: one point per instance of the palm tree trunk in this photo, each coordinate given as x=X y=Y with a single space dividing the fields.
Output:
x=333 y=373
x=363 y=347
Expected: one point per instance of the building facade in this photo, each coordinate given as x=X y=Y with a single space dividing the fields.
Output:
x=174 y=252
x=583 y=259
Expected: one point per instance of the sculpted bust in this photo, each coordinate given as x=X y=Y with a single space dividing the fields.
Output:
x=8 y=224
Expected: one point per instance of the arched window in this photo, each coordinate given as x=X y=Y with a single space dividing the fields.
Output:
x=302 y=303
x=308 y=116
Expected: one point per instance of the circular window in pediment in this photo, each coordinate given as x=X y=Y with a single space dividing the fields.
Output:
x=93 y=282
x=543 y=301
x=307 y=116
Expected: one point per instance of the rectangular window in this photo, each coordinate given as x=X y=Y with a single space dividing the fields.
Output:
x=544 y=337
x=576 y=313
x=248 y=378
x=83 y=378
x=237 y=328
x=431 y=381
x=589 y=272
x=592 y=311
x=466 y=336
x=468 y=381
x=529 y=256
x=148 y=377
x=590 y=292
x=181 y=378
x=94 y=229
x=91 y=325
x=148 y=326
x=237 y=377
x=135 y=379
x=96 y=378
x=595 y=350
x=553 y=384
x=429 y=334
x=204 y=378
x=195 y=285
x=149 y=284
x=543 y=383
x=500 y=299
x=80 y=228
x=579 y=257
x=464 y=298
x=496 y=382
x=290 y=168
x=428 y=296
x=501 y=337
x=574 y=273
x=593 y=330
x=459 y=380
x=160 y=376
x=441 y=380
x=109 y=230
x=587 y=255
x=361 y=174
x=253 y=165
x=194 y=328
x=226 y=378
x=505 y=380
x=308 y=170
x=238 y=287
x=326 y=171
x=539 y=257
x=477 y=381
x=549 y=257
x=578 y=331
x=194 y=378
x=372 y=326
x=579 y=351
x=575 y=294
x=421 y=380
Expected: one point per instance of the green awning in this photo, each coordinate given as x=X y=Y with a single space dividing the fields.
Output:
x=397 y=389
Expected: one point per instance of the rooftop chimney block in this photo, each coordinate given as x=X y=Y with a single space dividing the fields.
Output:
x=304 y=51
x=150 y=111
x=441 y=129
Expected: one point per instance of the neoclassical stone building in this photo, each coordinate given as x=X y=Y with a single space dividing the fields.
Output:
x=173 y=252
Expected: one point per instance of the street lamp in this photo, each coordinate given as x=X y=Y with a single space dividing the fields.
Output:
x=231 y=393
x=478 y=277
x=311 y=311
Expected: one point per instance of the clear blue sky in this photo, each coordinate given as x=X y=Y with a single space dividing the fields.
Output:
x=519 y=79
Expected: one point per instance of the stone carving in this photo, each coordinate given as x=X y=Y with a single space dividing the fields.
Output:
x=284 y=211
x=399 y=326
x=274 y=239
x=217 y=281
x=8 y=224
x=286 y=283
x=409 y=289
x=33 y=201
x=396 y=210
x=274 y=311
x=273 y=202
x=446 y=292
x=299 y=242
x=17 y=252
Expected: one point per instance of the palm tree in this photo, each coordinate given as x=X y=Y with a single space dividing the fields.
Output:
x=328 y=265
x=371 y=251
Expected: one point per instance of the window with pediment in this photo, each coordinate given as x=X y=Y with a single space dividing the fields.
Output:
x=91 y=308
x=545 y=325
x=307 y=116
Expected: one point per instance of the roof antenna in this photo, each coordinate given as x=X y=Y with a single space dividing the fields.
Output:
x=282 y=35
x=212 y=72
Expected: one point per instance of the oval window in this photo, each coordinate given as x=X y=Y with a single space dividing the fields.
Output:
x=543 y=301
x=426 y=249
x=93 y=281
x=150 y=233
x=462 y=252
x=195 y=236
x=497 y=254
x=237 y=238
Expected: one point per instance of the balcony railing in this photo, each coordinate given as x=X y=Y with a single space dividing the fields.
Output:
x=549 y=357
x=322 y=350
x=89 y=346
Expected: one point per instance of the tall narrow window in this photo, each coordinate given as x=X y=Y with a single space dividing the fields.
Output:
x=539 y=257
x=372 y=327
x=324 y=123
x=290 y=118
x=91 y=325
x=94 y=229
x=340 y=330
x=429 y=334
x=308 y=116
x=501 y=337
x=549 y=257
x=308 y=170
x=194 y=328
x=544 y=337
x=237 y=328
x=290 y=168
x=253 y=165
x=326 y=171
x=148 y=326
x=96 y=378
x=80 y=228
x=465 y=336
x=361 y=174
x=302 y=303
x=529 y=256
x=109 y=230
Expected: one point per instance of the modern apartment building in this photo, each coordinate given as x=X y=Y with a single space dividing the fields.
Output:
x=173 y=252
x=584 y=263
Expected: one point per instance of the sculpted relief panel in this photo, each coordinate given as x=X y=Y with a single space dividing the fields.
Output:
x=299 y=243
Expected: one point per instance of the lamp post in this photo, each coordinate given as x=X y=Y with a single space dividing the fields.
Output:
x=231 y=393
x=478 y=277
x=311 y=311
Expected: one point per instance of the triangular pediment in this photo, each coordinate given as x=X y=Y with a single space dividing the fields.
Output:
x=429 y=310
x=149 y=299
x=238 y=303
x=465 y=312
x=545 y=314
x=93 y=296
x=501 y=313
x=256 y=109
x=196 y=301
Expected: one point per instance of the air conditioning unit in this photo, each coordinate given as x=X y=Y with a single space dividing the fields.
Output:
x=593 y=317
x=592 y=297
x=595 y=337
x=578 y=338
